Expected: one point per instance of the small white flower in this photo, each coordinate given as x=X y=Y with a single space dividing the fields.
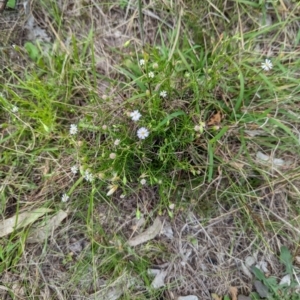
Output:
x=142 y=133
x=200 y=127
x=163 y=94
x=143 y=181
x=88 y=176
x=15 y=109
x=267 y=65
x=155 y=65
x=135 y=115
x=112 y=155
x=117 y=142
x=74 y=169
x=73 y=129
x=142 y=62
x=122 y=196
x=64 y=198
x=151 y=74
x=171 y=206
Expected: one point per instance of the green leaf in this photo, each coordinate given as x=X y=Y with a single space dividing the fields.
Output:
x=219 y=135
x=32 y=50
x=168 y=118
x=124 y=180
x=279 y=124
x=258 y=273
x=11 y=4
x=287 y=259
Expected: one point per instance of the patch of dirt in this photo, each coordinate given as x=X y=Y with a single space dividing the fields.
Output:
x=12 y=21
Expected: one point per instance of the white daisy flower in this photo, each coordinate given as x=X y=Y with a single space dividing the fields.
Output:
x=142 y=133
x=142 y=62
x=64 y=198
x=163 y=94
x=143 y=181
x=135 y=115
x=151 y=74
x=15 y=109
x=74 y=169
x=88 y=176
x=73 y=129
x=267 y=65
x=117 y=142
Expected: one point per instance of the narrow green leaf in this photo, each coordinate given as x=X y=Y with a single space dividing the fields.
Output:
x=287 y=259
x=168 y=118
x=285 y=128
x=210 y=161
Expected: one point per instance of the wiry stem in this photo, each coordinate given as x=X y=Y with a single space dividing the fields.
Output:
x=141 y=22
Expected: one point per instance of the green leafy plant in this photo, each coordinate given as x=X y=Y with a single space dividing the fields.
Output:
x=269 y=287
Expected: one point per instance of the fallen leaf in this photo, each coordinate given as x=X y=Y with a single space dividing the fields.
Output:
x=233 y=291
x=138 y=223
x=21 y=220
x=253 y=133
x=4 y=288
x=149 y=234
x=285 y=280
x=297 y=260
x=168 y=231
x=115 y=290
x=250 y=261
x=153 y=272
x=245 y=270
x=216 y=297
x=275 y=162
x=41 y=233
x=158 y=281
x=215 y=119
x=189 y=297
x=242 y=297
x=261 y=289
x=236 y=165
